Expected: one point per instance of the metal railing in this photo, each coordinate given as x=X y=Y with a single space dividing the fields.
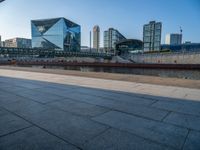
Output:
x=46 y=53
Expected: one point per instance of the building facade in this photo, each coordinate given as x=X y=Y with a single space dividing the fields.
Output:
x=185 y=47
x=173 y=39
x=96 y=37
x=152 y=36
x=18 y=42
x=56 y=34
x=111 y=37
x=128 y=46
x=0 y=41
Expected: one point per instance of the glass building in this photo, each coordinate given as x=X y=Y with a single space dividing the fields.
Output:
x=128 y=46
x=173 y=39
x=152 y=36
x=18 y=43
x=185 y=47
x=57 y=34
x=111 y=37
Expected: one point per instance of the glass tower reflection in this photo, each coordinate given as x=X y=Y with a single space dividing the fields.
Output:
x=57 y=34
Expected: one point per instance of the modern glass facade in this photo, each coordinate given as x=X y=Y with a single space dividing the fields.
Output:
x=152 y=36
x=18 y=43
x=111 y=37
x=185 y=47
x=173 y=39
x=57 y=34
x=129 y=46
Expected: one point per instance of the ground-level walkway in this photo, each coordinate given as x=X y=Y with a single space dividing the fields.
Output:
x=49 y=111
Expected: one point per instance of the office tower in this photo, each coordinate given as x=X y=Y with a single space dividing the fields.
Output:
x=18 y=42
x=111 y=37
x=56 y=34
x=173 y=39
x=152 y=36
x=96 y=37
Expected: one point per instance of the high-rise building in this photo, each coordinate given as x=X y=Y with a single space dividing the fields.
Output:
x=18 y=42
x=152 y=36
x=0 y=41
x=96 y=37
x=173 y=39
x=56 y=33
x=111 y=37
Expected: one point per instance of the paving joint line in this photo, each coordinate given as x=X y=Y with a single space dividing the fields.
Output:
x=95 y=136
x=168 y=113
x=44 y=129
x=185 y=139
x=76 y=114
x=16 y=131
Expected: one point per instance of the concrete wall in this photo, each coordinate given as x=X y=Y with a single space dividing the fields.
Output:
x=175 y=58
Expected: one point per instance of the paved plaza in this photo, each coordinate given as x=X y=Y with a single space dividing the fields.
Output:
x=40 y=111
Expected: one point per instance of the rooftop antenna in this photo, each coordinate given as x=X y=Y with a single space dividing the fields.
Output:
x=90 y=41
x=181 y=31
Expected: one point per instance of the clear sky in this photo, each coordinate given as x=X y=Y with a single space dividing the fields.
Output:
x=128 y=16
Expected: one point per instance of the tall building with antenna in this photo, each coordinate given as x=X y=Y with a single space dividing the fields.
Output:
x=174 y=38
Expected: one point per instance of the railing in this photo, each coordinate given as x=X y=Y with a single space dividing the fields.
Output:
x=34 y=52
x=170 y=53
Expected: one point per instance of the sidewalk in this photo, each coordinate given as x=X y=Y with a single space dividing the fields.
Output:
x=50 y=111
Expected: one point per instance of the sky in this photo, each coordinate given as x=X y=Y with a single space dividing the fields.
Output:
x=127 y=16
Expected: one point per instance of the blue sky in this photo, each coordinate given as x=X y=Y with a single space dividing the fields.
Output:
x=128 y=16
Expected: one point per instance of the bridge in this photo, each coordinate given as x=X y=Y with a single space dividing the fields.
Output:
x=13 y=52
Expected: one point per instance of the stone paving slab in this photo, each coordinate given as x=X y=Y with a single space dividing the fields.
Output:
x=10 y=123
x=33 y=138
x=193 y=141
x=25 y=107
x=8 y=98
x=72 y=128
x=183 y=120
x=97 y=99
x=29 y=86
x=63 y=92
x=40 y=97
x=12 y=89
x=118 y=96
x=135 y=106
x=105 y=84
x=185 y=107
x=122 y=95
x=78 y=108
x=114 y=139
x=149 y=129
x=66 y=112
x=3 y=112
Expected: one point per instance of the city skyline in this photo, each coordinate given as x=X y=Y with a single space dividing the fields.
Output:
x=128 y=17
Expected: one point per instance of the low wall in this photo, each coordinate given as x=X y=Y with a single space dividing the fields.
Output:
x=172 y=58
